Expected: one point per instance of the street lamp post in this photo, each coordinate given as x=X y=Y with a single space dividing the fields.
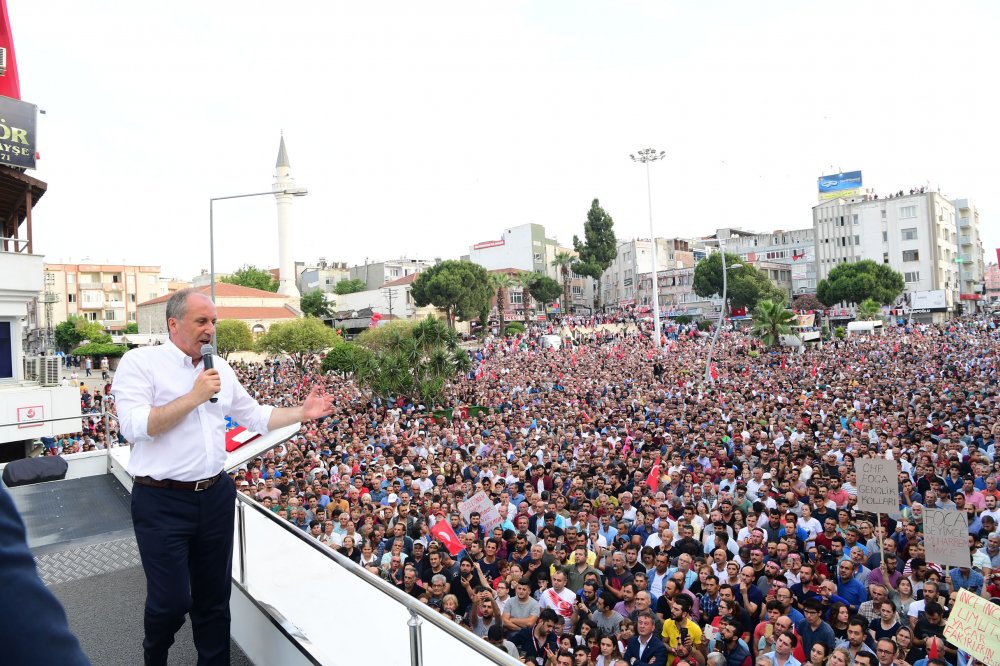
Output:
x=646 y=156
x=722 y=314
x=297 y=192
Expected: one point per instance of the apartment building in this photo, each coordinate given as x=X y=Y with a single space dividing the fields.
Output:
x=619 y=282
x=795 y=249
x=376 y=274
x=972 y=258
x=105 y=293
x=917 y=234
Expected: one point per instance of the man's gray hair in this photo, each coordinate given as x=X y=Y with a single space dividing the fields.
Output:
x=178 y=304
x=438 y=578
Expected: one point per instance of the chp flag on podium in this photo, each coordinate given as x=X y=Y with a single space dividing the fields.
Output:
x=878 y=485
x=946 y=538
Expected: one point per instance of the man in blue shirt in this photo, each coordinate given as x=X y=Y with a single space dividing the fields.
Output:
x=848 y=587
x=813 y=629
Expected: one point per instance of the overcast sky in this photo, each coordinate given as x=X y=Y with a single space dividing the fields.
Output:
x=421 y=128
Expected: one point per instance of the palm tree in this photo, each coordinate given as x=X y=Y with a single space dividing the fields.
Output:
x=869 y=310
x=563 y=261
x=770 y=321
x=524 y=280
x=502 y=282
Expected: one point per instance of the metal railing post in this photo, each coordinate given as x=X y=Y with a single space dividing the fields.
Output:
x=416 y=641
x=107 y=438
x=241 y=529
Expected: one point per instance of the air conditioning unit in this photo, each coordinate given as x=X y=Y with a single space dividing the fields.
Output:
x=49 y=370
x=31 y=365
x=3 y=61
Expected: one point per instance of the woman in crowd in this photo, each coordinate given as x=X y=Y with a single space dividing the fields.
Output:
x=838 y=617
x=609 y=655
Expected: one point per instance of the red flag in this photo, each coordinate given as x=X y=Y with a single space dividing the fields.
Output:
x=653 y=480
x=715 y=373
x=442 y=532
x=813 y=371
x=895 y=348
x=10 y=85
x=784 y=363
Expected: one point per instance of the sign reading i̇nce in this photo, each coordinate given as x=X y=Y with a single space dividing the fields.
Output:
x=18 y=123
x=878 y=485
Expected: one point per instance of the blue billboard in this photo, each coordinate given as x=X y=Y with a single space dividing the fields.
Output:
x=841 y=184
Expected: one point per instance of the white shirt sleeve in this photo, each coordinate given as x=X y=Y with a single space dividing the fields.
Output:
x=133 y=391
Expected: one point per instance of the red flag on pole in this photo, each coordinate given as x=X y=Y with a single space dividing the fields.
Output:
x=10 y=85
x=813 y=371
x=653 y=480
x=784 y=364
x=715 y=373
x=442 y=532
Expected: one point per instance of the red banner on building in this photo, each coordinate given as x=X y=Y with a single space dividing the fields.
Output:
x=10 y=84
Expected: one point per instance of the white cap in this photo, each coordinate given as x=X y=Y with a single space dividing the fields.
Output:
x=393 y=498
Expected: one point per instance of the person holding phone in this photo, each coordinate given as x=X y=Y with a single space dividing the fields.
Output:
x=683 y=636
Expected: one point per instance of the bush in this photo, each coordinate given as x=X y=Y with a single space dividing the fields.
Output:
x=704 y=325
x=825 y=331
x=682 y=319
x=753 y=353
x=99 y=349
x=514 y=328
x=839 y=332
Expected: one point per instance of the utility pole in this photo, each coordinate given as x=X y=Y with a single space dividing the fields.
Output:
x=389 y=296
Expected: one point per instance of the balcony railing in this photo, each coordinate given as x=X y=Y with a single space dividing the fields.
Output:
x=339 y=593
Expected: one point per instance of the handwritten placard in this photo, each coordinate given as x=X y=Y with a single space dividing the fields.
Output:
x=946 y=537
x=878 y=485
x=974 y=626
x=489 y=517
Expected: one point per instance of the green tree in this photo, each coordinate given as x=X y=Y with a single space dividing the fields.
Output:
x=858 y=281
x=868 y=310
x=807 y=302
x=545 y=290
x=564 y=262
x=524 y=280
x=415 y=360
x=299 y=338
x=350 y=286
x=771 y=320
x=232 y=335
x=501 y=283
x=249 y=275
x=599 y=247
x=131 y=328
x=68 y=336
x=746 y=286
x=458 y=287
x=100 y=349
x=315 y=304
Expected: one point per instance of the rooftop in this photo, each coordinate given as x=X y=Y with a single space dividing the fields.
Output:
x=224 y=290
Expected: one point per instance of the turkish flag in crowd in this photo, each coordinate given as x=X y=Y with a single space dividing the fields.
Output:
x=653 y=480
x=442 y=532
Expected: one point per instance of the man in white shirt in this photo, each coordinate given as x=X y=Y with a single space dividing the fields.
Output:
x=163 y=395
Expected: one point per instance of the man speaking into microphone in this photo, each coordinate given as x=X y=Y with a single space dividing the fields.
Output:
x=172 y=401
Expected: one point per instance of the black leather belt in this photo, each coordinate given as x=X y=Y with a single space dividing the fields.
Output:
x=197 y=486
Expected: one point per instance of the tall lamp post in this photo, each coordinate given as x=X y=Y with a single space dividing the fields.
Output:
x=722 y=314
x=297 y=192
x=646 y=156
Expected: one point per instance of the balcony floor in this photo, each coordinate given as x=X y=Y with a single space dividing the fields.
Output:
x=80 y=531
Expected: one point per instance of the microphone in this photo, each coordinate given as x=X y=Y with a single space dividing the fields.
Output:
x=206 y=358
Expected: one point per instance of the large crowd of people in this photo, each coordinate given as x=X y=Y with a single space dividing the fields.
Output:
x=649 y=517
x=644 y=516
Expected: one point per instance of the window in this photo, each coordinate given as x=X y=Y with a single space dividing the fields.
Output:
x=907 y=211
x=90 y=316
x=857 y=219
x=70 y=278
x=911 y=255
x=516 y=298
x=885 y=257
x=909 y=234
x=885 y=236
x=132 y=317
x=109 y=315
x=577 y=290
x=71 y=298
x=911 y=277
x=131 y=298
x=116 y=279
x=6 y=351
x=538 y=257
x=857 y=240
